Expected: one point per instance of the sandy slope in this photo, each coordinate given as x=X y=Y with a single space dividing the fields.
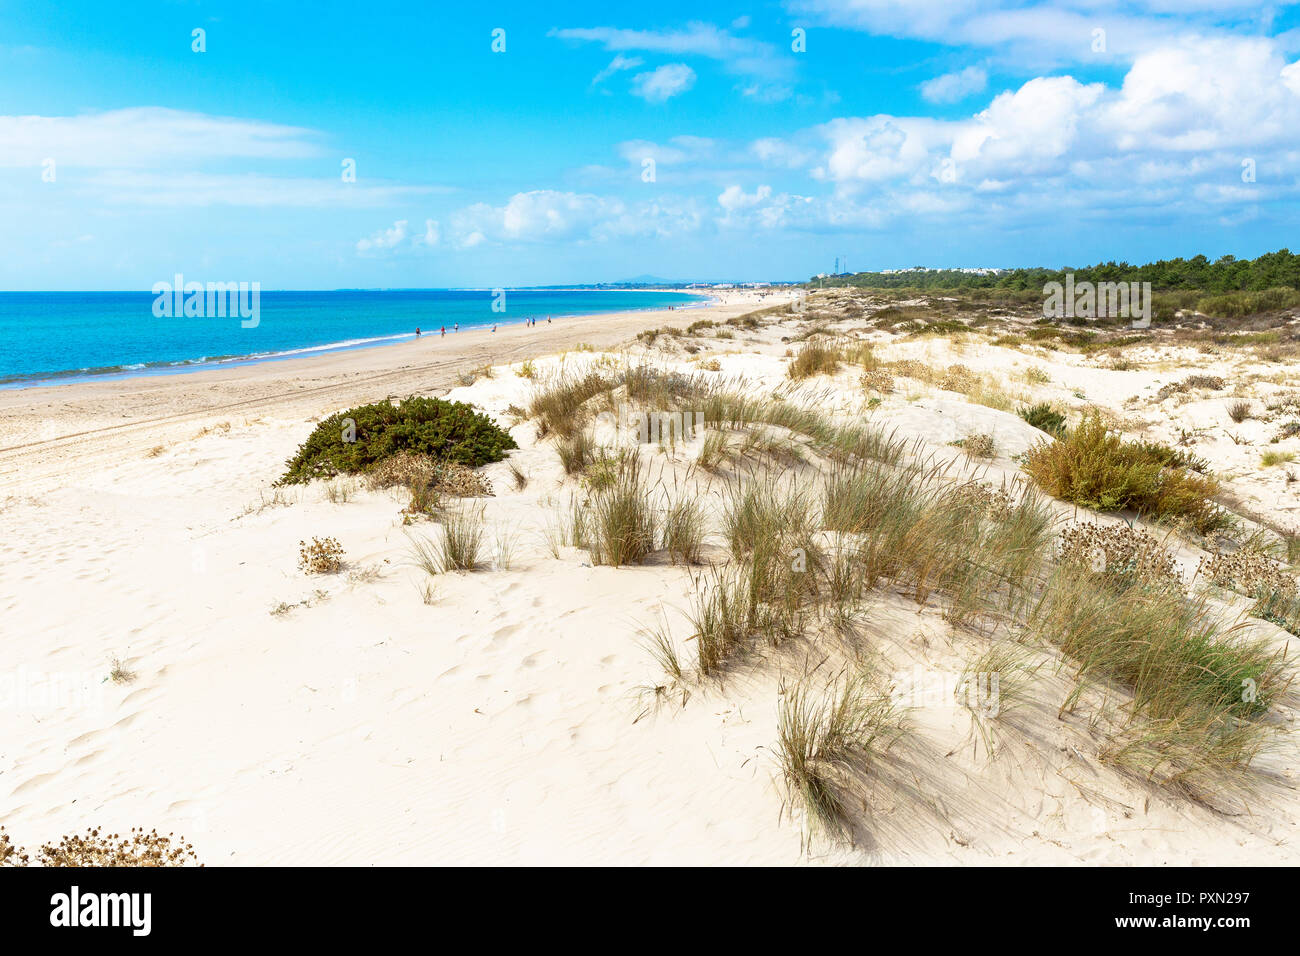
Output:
x=510 y=720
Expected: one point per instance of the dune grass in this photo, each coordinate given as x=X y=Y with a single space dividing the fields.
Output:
x=1197 y=688
x=559 y=405
x=826 y=741
x=576 y=451
x=684 y=528
x=616 y=523
x=461 y=543
x=815 y=358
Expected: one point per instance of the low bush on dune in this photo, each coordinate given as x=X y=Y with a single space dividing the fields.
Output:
x=1098 y=469
x=358 y=439
x=1045 y=418
x=1236 y=305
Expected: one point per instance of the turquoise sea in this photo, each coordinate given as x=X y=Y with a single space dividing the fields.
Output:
x=48 y=337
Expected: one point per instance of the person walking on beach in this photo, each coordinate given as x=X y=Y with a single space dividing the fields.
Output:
x=456 y=327
x=444 y=331
x=417 y=331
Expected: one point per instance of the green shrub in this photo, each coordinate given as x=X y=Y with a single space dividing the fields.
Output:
x=359 y=438
x=1236 y=305
x=1095 y=468
x=1045 y=418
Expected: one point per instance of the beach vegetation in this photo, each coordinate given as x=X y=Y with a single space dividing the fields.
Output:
x=356 y=440
x=827 y=740
x=1096 y=468
x=1045 y=418
x=321 y=556
x=815 y=358
x=616 y=522
x=461 y=543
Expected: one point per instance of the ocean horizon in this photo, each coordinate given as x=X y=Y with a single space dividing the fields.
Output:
x=57 y=337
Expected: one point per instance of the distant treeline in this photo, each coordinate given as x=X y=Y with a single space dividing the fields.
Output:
x=1273 y=270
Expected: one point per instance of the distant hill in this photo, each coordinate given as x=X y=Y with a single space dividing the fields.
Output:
x=648 y=280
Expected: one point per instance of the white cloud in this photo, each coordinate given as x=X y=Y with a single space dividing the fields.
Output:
x=1035 y=35
x=398 y=237
x=1028 y=131
x=734 y=197
x=616 y=65
x=431 y=234
x=153 y=188
x=767 y=68
x=148 y=136
x=952 y=87
x=1169 y=141
x=880 y=148
x=1207 y=94
x=384 y=240
x=774 y=151
x=680 y=149
x=660 y=84
x=546 y=215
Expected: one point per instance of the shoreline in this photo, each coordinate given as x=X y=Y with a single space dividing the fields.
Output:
x=46 y=427
x=188 y=366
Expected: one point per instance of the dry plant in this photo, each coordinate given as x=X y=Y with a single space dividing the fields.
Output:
x=506 y=541
x=979 y=445
x=10 y=855
x=815 y=358
x=120 y=673
x=1197 y=691
x=576 y=451
x=136 y=849
x=1119 y=552
x=715 y=450
x=322 y=556
x=519 y=475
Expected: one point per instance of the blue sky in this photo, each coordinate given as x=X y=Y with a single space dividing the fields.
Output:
x=935 y=132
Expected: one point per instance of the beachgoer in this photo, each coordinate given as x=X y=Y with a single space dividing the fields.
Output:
x=417 y=331
x=444 y=331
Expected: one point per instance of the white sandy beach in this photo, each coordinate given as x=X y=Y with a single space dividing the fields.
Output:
x=513 y=719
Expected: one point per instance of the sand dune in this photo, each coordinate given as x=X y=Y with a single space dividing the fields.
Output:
x=513 y=719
